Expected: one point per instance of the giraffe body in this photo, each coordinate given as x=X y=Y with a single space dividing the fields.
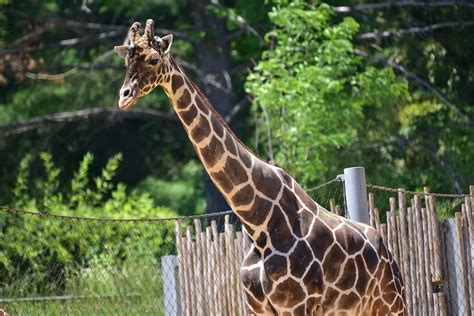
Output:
x=303 y=259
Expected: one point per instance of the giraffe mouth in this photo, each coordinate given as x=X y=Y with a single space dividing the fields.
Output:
x=128 y=96
x=127 y=103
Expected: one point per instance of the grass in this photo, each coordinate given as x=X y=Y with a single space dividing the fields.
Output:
x=134 y=288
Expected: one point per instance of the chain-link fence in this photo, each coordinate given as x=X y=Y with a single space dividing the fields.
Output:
x=58 y=265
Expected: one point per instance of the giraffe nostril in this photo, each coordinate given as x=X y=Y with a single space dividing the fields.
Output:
x=126 y=92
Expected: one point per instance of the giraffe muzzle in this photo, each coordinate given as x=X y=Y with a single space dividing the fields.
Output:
x=128 y=96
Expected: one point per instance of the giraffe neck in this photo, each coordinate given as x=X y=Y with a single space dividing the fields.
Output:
x=249 y=184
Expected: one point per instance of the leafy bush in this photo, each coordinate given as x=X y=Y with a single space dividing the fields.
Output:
x=45 y=251
x=183 y=194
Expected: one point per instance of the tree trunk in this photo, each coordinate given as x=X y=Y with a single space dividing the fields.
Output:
x=213 y=59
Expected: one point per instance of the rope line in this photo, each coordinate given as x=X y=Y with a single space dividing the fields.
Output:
x=445 y=195
x=11 y=210
x=324 y=184
x=7 y=209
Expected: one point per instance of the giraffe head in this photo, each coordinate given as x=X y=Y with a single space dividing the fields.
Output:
x=147 y=60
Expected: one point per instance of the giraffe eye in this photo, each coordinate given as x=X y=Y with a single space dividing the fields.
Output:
x=154 y=61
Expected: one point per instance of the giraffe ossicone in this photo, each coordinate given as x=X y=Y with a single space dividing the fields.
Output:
x=303 y=259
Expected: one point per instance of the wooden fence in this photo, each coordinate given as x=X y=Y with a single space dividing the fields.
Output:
x=436 y=259
x=209 y=265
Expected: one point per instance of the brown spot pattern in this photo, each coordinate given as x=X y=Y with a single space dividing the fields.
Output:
x=244 y=196
x=348 y=301
x=222 y=181
x=244 y=156
x=330 y=296
x=280 y=233
x=201 y=105
x=362 y=277
x=201 y=130
x=236 y=173
x=261 y=240
x=346 y=281
x=250 y=281
x=176 y=82
x=289 y=204
x=300 y=259
x=212 y=152
x=288 y=293
x=321 y=239
x=350 y=241
x=189 y=115
x=258 y=211
x=370 y=258
x=184 y=100
x=332 y=263
x=189 y=84
x=275 y=267
x=314 y=279
x=230 y=144
x=217 y=126
x=266 y=181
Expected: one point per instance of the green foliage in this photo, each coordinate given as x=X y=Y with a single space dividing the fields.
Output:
x=85 y=195
x=49 y=248
x=183 y=194
x=314 y=93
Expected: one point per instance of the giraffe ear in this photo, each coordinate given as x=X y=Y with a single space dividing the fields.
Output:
x=167 y=41
x=122 y=50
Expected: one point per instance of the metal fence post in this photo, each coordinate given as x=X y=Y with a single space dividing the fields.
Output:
x=458 y=302
x=169 y=273
x=356 y=194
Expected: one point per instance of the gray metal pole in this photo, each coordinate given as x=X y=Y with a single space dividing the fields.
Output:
x=169 y=272
x=356 y=194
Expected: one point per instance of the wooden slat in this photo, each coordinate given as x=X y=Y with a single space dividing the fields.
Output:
x=332 y=206
x=395 y=235
x=223 y=269
x=414 y=260
x=190 y=268
x=405 y=249
x=217 y=270
x=442 y=303
x=436 y=233
x=209 y=272
x=467 y=232
x=463 y=268
x=181 y=272
x=230 y=271
x=383 y=233
x=238 y=262
x=187 y=277
x=427 y=261
x=420 y=255
x=371 y=210
x=198 y=266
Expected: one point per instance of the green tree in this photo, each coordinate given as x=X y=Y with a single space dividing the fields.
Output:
x=316 y=99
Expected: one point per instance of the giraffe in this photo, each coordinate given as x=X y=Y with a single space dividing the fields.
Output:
x=303 y=260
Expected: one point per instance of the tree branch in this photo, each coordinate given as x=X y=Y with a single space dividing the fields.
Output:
x=113 y=114
x=412 y=30
x=440 y=161
x=375 y=6
x=452 y=174
x=421 y=81
x=63 y=43
x=237 y=108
